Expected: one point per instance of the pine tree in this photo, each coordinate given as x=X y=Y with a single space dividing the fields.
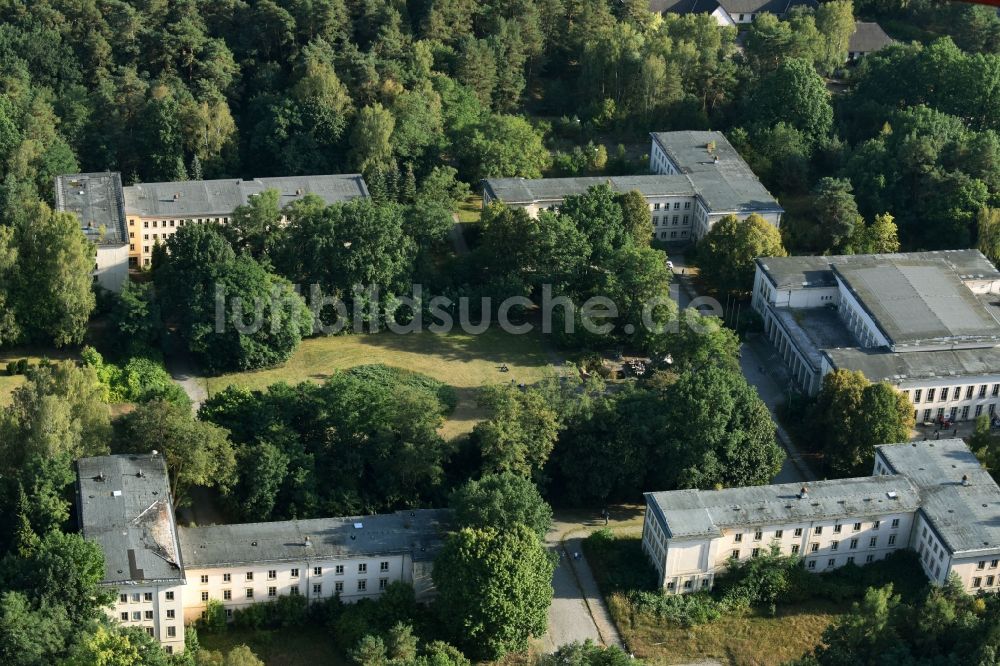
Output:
x=26 y=541
x=180 y=171
x=409 y=189
x=196 y=168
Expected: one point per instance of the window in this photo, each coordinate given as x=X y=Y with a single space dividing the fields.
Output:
x=226 y=578
x=136 y=616
x=677 y=205
x=123 y=598
x=294 y=590
x=383 y=566
x=671 y=585
x=877 y=524
x=965 y=412
x=813 y=547
x=147 y=596
x=837 y=528
x=204 y=595
x=798 y=531
x=294 y=573
x=916 y=395
x=779 y=533
x=977 y=582
x=656 y=221
x=204 y=580
x=317 y=571
x=149 y=630
x=383 y=583
x=317 y=588
x=272 y=591
x=687 y=585
x=738 y=538
x=818 y=529
x=227 y=594
x=154 y=224
x=229 y=613
x=673 y=234
x=930 y=395
x=968 y=392
x=656 y=206
x=795 y=549
x=944 y=394
x=854 y=544
x=927 y=415
x=755 y=552
x=857 y=527
x=363 y=568
x=736 y=554
x=758 y=535
x=687 y=205
x=872 y=542
x=686 y=220
x=831 y=563
x=145 y=224
x=675 y=220
x=339 y=570
x=171 y=614
x=850 y=559
x=982 y=391
x=895 y=523
x=272 y=574
x=869 y=559
x=981 y=565
x=994 y=563
x=338 y=586
x=249 y=593
x=249 y=575
x=834 y=545
x=996 y=390
x=979 y=410
x=892 y=539
x=812 y=564
x=171 y=632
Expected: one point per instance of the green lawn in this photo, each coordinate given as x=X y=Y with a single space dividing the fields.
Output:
x=461 y=360
x=470 y=209
x=10 y=382
x=284 y=647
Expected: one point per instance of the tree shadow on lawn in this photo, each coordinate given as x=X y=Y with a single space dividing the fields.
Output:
x=492 y=345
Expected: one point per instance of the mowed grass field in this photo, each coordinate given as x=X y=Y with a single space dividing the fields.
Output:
x=461 y=360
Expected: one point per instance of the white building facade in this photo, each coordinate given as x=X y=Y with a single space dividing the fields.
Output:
x=693 y=536
x=165 y=576
x=699 y=178
x=926 y=322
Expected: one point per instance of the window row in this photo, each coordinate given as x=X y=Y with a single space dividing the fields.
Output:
x=177 y=223
x=272 y=574
x=758 y=535
x=294 y=590
x=949 y=393
x=677 y=206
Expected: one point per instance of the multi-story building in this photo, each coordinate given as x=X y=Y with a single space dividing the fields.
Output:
x=926 y=322
x=133 y=219
x=699 y=179
x=932 y=497
x=736 y=13
x=96 y=198
x=165 y=575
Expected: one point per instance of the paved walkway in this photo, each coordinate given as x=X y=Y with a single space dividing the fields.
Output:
x=578 y=612
x=181 y=368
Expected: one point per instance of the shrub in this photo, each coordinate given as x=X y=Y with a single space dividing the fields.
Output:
x=214 y=621
x=398 y=377
x=283 y=612
x=685 y=610
x=619 y=564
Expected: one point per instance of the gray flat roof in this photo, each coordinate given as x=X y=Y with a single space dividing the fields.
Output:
x=418 y=532
x=124 y=506
x=192 y=198
x=867 y=38
x=808 y=272
x=728 y=185
x=917 y=298
x=965 y=517
x=879 y=364
x=693 y=513
x=814 y=329
x=96 y=200
x=549 y=190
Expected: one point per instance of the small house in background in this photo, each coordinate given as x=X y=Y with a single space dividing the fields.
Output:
x=729 y=12
x=868 y=37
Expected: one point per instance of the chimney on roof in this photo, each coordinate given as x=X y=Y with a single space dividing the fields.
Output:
x=177 y=195
x=308 y=542
x=965 y=479
x=804 y=493
x=298 y=191
x=715 y=159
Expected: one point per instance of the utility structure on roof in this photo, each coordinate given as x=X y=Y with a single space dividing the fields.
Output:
x=126 y=223
x=931 y=497
x=165 y=575
x=926 y=322
x=697 y=179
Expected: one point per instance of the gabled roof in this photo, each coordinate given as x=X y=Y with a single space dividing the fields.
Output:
x=868 y=37
x=733 y=7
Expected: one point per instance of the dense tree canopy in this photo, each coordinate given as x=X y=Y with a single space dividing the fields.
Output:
x=726 y=253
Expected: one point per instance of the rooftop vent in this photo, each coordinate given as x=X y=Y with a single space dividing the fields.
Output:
x=358 y=526
x=139 y=474
x=308 y=542
x=177 y=195
x=116 y=493
x=965 y=481
x=100 y=477
x=253 y=543
x=299 y=191
x=804 y=493
x=892 y=494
